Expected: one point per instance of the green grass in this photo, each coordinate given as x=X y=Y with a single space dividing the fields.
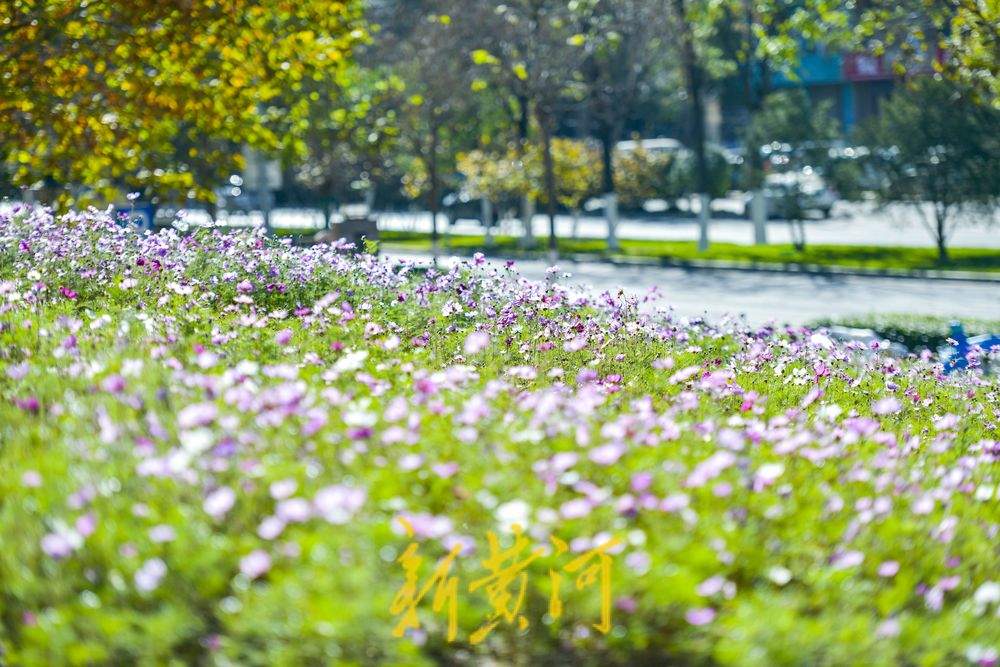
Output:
x=868 y=257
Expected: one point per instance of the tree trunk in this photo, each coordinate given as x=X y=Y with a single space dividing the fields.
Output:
x=527 y=205
x=607 y=161
x=941 y=235
x=434 y=202
x=550 y=183
x=754 y=94
x=486 y=207
x=608 y=183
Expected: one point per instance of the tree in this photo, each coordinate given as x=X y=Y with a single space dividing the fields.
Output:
x=350 y=140
x=789 y=117
x=694 y=79
x=625 y=44
x=917 y=32
x=533 y=50
x=422 y=44
x=150 y=93
x=936 y=146
x=761 y=38
x=499 y=177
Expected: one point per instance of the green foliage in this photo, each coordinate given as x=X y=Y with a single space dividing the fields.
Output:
x=917 y=31
x=641 y=174
x=936 y=146
x=789 y=116
x=518 y=172
x=158 y=95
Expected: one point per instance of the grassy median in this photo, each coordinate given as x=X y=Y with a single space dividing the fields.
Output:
x=867 y=257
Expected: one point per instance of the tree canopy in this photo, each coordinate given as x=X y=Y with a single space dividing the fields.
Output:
x=132 y=94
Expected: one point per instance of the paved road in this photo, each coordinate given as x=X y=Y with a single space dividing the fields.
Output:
x=763 y=297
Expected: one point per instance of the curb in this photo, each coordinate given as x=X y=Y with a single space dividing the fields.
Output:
x=734 y=265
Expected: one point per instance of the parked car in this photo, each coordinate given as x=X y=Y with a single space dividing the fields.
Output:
x=794 y=193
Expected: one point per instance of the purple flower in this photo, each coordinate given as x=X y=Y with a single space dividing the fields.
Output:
x=31 y=479
x=293 y=510
x=886 y=406
x=476 y=342
x=576 y=508
x=219 y=502
x=283 y=337
x=199 y=414
x=86 y=525
x=700 y=616
x=18 y=371
x=675 y=502
x=607 y=454
x=641 y=481
x=888 y=569
x=255 y=564
x=445 y=470
x=148 y=577
x=113 y=384
x=338 y=503
x=161 y=534
x=283 y=488
x=29 y=404
x=56 y=545
x=270 y=528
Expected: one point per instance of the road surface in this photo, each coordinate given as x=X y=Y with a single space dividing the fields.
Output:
x=764 y=297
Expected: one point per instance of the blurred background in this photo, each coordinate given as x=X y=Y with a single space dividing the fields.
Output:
x=801 y=161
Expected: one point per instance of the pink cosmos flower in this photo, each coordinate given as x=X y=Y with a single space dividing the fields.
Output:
x=476 y=342
x=888 y=569
x=219 y=502
x=700 y=616
x=270 y=528
x=608 y=454
x=293 y=510
x=148 y=577
x=56 y=545
x=338 y=503
x=255 y=564
x=445 y=470
x=283 y=337
x=886 y=406
x=199 y=414
x=641 y=481
x=283 y=488
x=575 y=509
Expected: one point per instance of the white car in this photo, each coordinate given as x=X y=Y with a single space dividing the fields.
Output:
x=812 y=192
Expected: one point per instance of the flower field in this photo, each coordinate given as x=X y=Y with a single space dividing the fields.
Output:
x=213 y=447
